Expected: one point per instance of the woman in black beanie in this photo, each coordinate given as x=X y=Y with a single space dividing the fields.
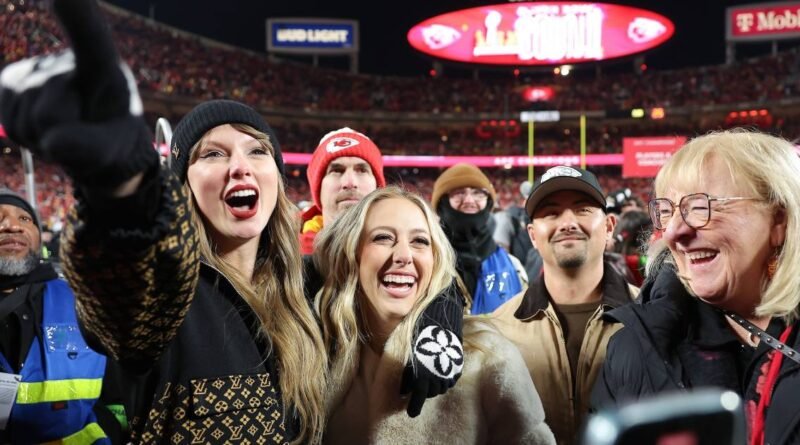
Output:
x=230 y=350
x=191 y=280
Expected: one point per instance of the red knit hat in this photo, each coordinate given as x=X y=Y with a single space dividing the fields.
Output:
x=341 y=143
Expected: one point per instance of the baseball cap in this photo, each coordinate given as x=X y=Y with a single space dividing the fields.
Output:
x=561 y=178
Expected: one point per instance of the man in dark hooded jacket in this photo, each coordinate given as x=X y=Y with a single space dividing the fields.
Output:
x=463 y=198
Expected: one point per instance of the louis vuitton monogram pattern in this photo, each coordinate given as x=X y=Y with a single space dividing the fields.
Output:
x=243 y=409
x=133 y=288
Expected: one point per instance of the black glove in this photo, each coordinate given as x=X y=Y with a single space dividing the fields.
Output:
x=437 y=356
x=79 y=108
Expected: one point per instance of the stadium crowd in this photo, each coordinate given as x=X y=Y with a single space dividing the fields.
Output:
x=171 y=63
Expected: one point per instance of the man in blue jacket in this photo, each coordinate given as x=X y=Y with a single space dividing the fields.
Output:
x=56 y=378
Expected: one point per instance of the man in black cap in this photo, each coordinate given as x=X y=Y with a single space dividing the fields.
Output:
x=41 y=345
x=557 y=323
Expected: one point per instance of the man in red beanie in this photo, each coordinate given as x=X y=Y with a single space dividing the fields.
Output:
x=345 y=167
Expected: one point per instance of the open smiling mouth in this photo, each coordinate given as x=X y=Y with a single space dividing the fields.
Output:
x=701 y=257
x=398 y=281
x=242 y=203
x=398 y=285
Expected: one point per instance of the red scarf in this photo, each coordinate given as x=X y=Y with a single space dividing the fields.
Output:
x=772 y=367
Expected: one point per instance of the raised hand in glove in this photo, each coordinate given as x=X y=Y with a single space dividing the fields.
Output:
x=438 y=356
x=79 y=108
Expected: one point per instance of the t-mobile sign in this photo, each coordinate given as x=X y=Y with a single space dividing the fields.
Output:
x=764 y=21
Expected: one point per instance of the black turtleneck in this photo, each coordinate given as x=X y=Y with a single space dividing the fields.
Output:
x=471 y=238
x=21 y=311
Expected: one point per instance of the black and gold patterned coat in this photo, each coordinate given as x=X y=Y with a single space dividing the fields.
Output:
x=196 y=371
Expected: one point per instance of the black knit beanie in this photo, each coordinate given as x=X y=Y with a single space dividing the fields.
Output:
x=211 y=114
x=10 y=198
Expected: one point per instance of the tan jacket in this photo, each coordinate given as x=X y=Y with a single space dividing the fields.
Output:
x=531 y=323
x=494 y=401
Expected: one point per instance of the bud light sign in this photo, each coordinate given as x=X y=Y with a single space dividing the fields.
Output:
x=312 y=36
x=540 y=33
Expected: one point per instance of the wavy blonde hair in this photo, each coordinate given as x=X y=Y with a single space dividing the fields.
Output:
x=276 y=296
x=769 y=169
x=339 y=303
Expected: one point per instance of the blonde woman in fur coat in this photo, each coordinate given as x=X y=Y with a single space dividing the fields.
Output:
x=385 y=260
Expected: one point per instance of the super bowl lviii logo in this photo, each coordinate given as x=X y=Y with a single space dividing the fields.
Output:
x=540 y=33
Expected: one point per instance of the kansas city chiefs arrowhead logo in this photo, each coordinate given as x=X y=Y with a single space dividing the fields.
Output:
x=340 y=143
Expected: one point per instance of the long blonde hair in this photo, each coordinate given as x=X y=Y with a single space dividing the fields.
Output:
x=339 y=302
x=769 y=168
x=276 y=296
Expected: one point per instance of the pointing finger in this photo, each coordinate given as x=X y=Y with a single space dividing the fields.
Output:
x=95 y=54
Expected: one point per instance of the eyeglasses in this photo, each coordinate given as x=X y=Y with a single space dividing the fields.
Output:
x=695 y=209
x=478 y=195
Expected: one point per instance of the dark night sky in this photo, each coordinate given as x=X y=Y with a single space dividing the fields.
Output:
x=698 y=39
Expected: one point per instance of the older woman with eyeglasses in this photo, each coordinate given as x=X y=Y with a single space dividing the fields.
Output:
x=723 y=312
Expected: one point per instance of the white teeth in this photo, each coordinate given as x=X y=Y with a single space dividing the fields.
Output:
x=399 y=279
x=694 y=256
x=242 y=193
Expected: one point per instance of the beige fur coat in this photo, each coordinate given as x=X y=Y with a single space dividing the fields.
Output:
x=494 y=401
